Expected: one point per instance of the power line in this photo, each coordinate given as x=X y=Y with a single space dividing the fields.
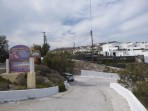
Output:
x=83 y=40
x=71 y=38
x=79 y=35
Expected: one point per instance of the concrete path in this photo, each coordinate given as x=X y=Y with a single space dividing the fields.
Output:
x=85 y=94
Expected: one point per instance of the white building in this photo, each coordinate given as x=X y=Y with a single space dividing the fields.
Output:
x=125 y=49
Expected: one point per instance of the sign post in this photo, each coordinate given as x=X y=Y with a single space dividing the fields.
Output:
x=31 y=81
x=7 y=66
x=20 y=61
x=19 y=58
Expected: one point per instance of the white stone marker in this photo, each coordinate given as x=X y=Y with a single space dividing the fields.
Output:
x=7 y=66
x=31 y=78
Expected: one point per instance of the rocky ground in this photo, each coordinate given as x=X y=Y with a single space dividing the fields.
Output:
x=85 y=65
x=45 y=77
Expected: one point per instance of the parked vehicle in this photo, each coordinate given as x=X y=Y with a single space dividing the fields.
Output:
x=69 y=77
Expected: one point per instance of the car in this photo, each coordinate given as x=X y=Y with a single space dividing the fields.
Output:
x=69 y=77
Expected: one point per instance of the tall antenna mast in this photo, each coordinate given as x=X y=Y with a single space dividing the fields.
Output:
x=91 y=33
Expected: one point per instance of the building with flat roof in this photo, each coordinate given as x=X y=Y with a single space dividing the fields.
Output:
x=125 y=49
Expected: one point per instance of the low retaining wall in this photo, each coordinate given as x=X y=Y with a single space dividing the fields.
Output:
x=15 y=95
x=146 y=59
x=102 y=75
x=67 y=86
x=134 y=103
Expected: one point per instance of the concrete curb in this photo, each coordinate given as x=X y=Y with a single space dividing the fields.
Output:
x=67 y=86
x=134 y=103
x=16 y=95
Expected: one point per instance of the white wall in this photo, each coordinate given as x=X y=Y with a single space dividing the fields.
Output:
x=103 y=75
x=134 y=103
x=146 y=59
x=15 y=95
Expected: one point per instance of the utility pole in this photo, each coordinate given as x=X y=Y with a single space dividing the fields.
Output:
x=45 y=39
x=91 y=33
x=74 y=45
x=74 y=48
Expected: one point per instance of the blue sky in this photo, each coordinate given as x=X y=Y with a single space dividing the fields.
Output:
x=68 y=21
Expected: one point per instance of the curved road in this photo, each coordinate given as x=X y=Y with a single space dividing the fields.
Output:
x=85 y=94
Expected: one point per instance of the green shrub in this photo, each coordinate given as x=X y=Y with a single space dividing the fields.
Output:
x=2 y=71
x=56 y=79
x=42 y=70
x=60 y=62
x=135 y=77
x=21 y=88
x=4 y=86
x=42 y=86
x=62 y=87
x=42 y=81
x=21 y=80
x=141 y=92
x=133 y=74
x=5 y=80
x=47 y=77
x=39 y=79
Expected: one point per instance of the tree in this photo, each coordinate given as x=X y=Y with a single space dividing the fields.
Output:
x=60 y=62
x=43 y=49
x=37 y=47
x=3 y=48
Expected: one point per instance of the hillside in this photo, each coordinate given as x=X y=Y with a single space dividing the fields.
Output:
x=85 y=65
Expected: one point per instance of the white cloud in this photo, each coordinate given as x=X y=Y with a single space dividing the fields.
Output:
x=23 y=21
x=137 y=22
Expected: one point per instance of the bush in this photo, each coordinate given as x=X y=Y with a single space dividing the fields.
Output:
x=60 y=62
x=42 y=81
x=4 y=80
x=21 y=80
x=39 y=80
x=42 y=70
x=4 y=86
x=135 y=77
x=62 y=87
x=56 y=78
x=133 y=74
x=141 y=92
x=47 y=77
x=2 y=71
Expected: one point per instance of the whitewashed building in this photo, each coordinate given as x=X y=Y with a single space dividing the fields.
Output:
x=125 y=49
